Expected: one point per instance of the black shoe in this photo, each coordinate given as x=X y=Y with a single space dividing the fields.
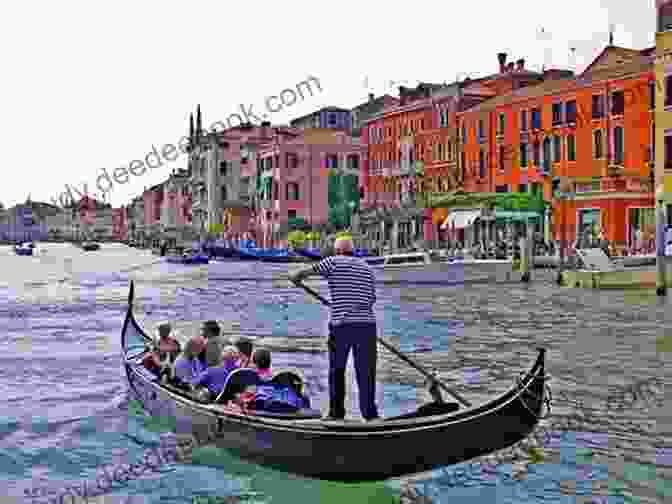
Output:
x=333 y=418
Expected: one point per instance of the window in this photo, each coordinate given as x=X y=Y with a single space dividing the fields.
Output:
x=481 y=164
x=598 y=106
x=523 y=120
x=557 y=114
x=617 y=103
x=570 y=111
x=292 y=191
x=668 y=152
x=523 y=155
x=571 y=148
x=555 y=187
x=665 y=17
x=223 y=168
x=502 y=154
x=598 y=144
x=652 y=95
x=353 y=162
x=481 y=133
x=332 y=161
x=291 y=214
x=653 y=143
x=522 y=188
x=668 y=91
x=502 y=124
x=536 y=189
x=275 y=190
x=464 y=133
x=547 y=155
x=536 y=153
x=618 y=145
x=224 y=193
x=502 y=188
x=536 y=118
x=556 y=149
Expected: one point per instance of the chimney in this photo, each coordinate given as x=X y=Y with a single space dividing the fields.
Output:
x=371 y=97
x=521 y=64
x=402 y=95
x=509 y=67
x=501 y=57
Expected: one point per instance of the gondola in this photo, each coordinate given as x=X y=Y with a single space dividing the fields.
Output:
x=189 y=259
x=90 y=246
x=346 y=451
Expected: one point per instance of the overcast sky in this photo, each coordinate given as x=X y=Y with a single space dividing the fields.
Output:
x=93 y=85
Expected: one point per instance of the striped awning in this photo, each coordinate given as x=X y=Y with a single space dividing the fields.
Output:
x=460 y=219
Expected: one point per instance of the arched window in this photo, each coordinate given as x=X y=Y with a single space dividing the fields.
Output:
x=598 y=151
x=618 y=145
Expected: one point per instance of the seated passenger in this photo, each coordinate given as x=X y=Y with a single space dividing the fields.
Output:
x=261 y=359
x=215 y=376
x=151 y=360
x=213 y=349
x=244 y=346
x=189 y=365
x=169 y=348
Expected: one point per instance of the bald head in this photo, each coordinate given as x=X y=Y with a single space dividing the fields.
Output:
x=344 y=246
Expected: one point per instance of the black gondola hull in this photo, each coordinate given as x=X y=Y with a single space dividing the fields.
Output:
x=347 y=451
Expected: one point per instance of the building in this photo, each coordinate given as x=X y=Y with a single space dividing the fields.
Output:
x=222 y=168
x=415 y=148
x=92 y=220
x=560 y=140
x=136 y=220
x=175 y=212
x=326 y=117
x=26 y=221
x=374 y=106
x=61 y=225
x=153 y=198
x=310 y=181
x=663 y=114
x=120 y=231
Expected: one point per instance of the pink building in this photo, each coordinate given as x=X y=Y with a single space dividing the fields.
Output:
x=295 y=180
x=120 y=224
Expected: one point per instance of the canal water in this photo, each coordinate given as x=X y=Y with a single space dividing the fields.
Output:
x=65 y=414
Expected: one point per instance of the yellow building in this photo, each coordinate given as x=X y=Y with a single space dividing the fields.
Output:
x=663 y=115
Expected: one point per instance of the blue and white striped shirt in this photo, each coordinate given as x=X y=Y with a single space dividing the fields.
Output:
x=352 y=285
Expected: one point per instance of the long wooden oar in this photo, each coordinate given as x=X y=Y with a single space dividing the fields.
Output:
x=396 y=352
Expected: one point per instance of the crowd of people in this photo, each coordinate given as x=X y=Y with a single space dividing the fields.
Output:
x=205 y=363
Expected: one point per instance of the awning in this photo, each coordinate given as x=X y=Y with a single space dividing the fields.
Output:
x=460 y=219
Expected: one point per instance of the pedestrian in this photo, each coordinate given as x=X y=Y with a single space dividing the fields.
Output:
x=352 y=286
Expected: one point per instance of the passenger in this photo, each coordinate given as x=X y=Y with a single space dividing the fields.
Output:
x=213 y=348
x=261 y=359
x=244 y=346
x=169 y=348
x=215 y=376
x=188 y=366
x=151 y=360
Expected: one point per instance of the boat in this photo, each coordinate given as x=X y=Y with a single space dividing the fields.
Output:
x=420 y=268
x=188 y=259
x=24 y=249
x=90 y=246
x=220 y=251
x=348 y=450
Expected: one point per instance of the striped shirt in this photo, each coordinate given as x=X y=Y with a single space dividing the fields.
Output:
x=352 y=285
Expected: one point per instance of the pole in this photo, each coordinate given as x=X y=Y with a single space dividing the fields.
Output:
x=661 y=281
x=562 y=242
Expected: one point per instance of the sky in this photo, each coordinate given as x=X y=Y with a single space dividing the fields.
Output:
x=87 y=86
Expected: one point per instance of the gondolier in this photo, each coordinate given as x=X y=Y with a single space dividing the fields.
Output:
x=352 y=326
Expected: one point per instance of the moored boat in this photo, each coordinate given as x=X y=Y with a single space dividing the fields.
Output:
x=90 y=246
x=24 y=249
x=188 y=259
x=345 y=451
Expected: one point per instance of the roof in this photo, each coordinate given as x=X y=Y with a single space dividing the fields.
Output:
x=323 y=109
x=376 y=103
x=599 y=70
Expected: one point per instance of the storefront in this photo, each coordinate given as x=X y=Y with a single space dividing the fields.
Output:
x=489 y=218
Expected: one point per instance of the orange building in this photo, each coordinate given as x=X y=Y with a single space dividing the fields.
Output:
x=586 y=142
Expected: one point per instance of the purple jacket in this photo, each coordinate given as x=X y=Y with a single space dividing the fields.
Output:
x=214 y=378
x=186 y=369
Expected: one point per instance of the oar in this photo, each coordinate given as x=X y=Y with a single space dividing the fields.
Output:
x=396 y=352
